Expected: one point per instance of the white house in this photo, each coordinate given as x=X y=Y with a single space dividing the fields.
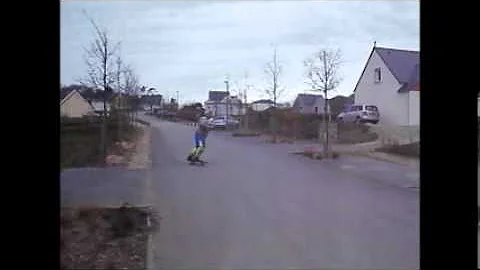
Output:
x=310 y=104
x=261 y=105
x=73 y=104
x=220 y=103
x=98 y=107
x=391 y=81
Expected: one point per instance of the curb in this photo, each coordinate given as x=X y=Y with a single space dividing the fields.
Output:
x=148 y=184
x=369 y=154
x=386 y=158
x=149 y=264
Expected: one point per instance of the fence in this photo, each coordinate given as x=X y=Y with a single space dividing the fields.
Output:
x=287 y=122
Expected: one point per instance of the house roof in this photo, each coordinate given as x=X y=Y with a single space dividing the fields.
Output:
x=402 y=63
x=307 y=99
x=413 y=83
x=217 y=95
x=340 y=103
x=151 y=99
x=64 y=93
x=264 y=101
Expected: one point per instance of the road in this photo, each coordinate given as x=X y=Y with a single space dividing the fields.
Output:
x=255 y=207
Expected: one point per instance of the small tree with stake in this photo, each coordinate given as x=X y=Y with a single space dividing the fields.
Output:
x=322 y=70
x=100 y=60
x=273 y=70
x=131 y=89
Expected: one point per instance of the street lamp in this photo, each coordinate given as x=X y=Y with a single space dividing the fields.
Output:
x=178 y=101
x=228 y=97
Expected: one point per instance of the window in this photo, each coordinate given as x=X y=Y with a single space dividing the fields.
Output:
x=316 y=110
x=371 y=108
x=378 y=75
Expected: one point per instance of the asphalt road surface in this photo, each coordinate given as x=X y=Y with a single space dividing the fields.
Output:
x=254 y=206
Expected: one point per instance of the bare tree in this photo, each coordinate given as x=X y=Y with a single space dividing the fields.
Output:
x=322 y=73
x=120 y=104
x=132 y=88
x=243 y=96
x=100 y=60
x=273 y=70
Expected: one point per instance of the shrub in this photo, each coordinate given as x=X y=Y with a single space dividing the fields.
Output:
x=80 y=139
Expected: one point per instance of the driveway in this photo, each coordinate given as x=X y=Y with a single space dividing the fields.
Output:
x=254 y=206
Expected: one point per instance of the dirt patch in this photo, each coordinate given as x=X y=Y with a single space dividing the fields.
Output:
x=407 y=150
x=315 y=152
x=101 y=238
x=139 y=157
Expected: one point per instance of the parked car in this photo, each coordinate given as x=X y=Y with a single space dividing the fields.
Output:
x=360 y=113
x=222 y=122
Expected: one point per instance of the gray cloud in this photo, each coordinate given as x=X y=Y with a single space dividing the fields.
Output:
x=190 y=46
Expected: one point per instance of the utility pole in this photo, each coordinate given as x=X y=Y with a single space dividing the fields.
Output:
x=178 y=101
x=228 y=97
x=325 y=110
x=246 y=88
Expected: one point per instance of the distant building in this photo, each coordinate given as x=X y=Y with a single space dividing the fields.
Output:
x=151 y=101
x=310 y=104
x=220 y=103
x=261 y=105
x=73 y=104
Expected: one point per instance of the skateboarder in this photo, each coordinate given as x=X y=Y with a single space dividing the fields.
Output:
x=200 y=136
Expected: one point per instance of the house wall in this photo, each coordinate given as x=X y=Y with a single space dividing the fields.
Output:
x=310 y=109
x=320 y=104
x=210 y=107
x=414 y=108
x=75 y=106
x=98 y=106
x=220 y=108
x=260 y=106
x=393 y=106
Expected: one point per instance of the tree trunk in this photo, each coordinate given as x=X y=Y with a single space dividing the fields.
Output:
x=246 y=118
x=103 y=137
x=119 y=119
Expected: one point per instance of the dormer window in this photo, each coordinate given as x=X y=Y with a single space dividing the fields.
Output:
x=378 y=75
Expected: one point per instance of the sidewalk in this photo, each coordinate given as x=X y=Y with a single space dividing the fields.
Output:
x=102 y=187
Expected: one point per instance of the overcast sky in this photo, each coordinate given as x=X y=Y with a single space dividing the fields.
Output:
x=189 y=46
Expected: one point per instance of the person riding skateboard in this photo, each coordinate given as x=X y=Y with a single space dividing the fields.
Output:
x=199 y=137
